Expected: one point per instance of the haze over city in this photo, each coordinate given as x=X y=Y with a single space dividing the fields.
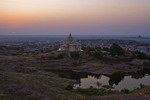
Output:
x=81 y=17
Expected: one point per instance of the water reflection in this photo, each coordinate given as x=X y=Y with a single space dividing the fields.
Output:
x=115 y=78
x=117 y=81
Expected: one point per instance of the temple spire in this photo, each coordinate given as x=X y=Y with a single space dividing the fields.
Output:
x=70 y=44
x=70 y=35
x=70 y=38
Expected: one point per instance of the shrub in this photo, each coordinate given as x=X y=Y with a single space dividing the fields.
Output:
x=51 y=57
x=60 y=56
x=98 y=54
x=106 y=49
x=21 y=64
x=142 y=85
x=126 y=91
x=148 y=57
x=89 y=91
x=93 y=91
x=90 y=48
x=141 y=55
x=75 y=55
x=14 y=54
x=107 y=87
x=76 y=64
x=69 y=87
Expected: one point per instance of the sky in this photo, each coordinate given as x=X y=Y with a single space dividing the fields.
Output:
x=81 y=17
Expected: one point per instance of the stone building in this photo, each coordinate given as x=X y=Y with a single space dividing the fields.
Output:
x=70 y=45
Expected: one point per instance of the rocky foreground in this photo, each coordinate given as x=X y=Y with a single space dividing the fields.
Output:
x=31 y=76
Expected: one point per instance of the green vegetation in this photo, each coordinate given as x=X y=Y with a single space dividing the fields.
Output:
x=55 y=57
x=126 y=91
x=78 y=63
x=107 y=87
x=142 y=85
x=148 y=57
x=93 y=91
x=75 y=55
x=98 y=54
x=88 y=48
x=144 y=91
x=14 y=54
x=69 y=87
x=106 y=49
x=141 y=55
x=60 y=56
x=116 y=50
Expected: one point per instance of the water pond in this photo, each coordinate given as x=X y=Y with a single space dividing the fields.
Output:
x=117 y=81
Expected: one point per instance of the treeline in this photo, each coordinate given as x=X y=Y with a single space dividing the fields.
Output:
x=98 y=52
x=115 y=51
x=142 y=55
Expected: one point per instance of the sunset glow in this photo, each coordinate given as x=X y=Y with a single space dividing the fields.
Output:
x=79 y=16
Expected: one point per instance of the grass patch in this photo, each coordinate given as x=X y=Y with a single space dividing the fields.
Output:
x=4 y=95
x=98 y=64
x=94 y=92
x=75 y=64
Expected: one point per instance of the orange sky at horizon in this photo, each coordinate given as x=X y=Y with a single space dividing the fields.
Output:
x=20 y=13
x=16 y=12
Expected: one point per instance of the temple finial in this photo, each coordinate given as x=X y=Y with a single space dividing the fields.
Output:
x=70 y=35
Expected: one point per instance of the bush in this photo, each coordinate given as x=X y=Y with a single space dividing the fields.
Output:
x=90 y=48
x=98 y=54
x=60 y=56
x=21 y=64
x=142 y=85
x=77 y=64
x=106 y=49
x=141 y=55
x=51 y=57
x=75 y=55
x=93 y=91
x=14 y=54
x=69 y=87
x=148 y=57
x=126 y=91
x=90 y=92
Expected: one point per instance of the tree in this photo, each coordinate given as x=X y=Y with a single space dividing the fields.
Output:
x=106 y=49
x=116 y=50
x=148 y=57
x=141 y=55
x=90 y=48
x=98 y=54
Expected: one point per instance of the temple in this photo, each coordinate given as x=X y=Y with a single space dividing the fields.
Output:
x=70 y=45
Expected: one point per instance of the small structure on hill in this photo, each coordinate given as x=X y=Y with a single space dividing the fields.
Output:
x=70 y=45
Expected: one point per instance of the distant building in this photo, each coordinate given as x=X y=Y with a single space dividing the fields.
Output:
x=70 y=45
x=140 y=36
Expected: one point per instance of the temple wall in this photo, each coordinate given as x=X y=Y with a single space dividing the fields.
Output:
x=70 y=45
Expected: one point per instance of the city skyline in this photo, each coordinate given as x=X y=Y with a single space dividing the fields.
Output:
x=92 y=17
